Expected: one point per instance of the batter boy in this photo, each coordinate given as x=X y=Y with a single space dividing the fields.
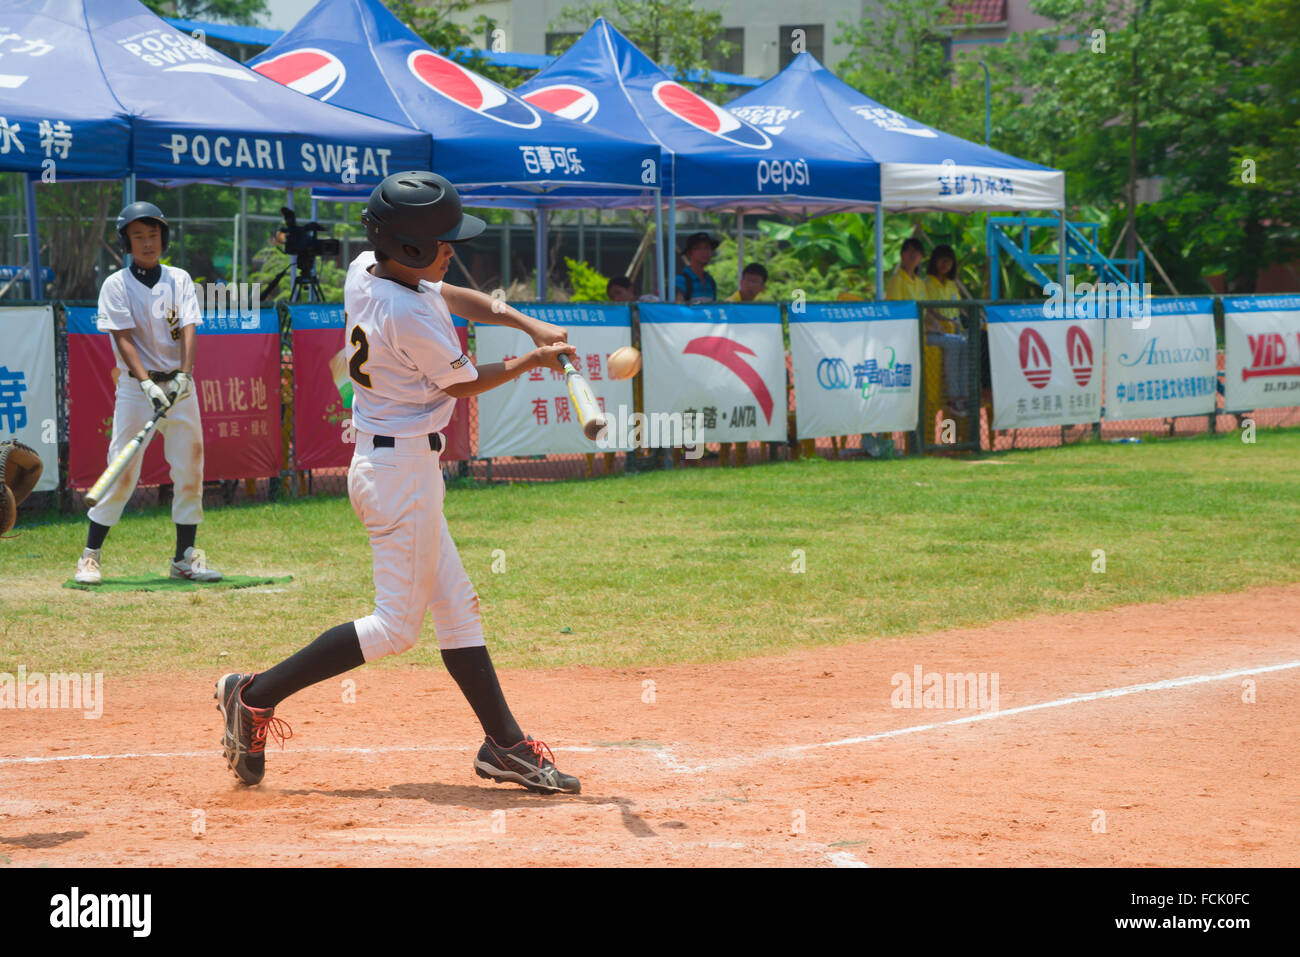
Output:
x=151 y=312
x=407 y=371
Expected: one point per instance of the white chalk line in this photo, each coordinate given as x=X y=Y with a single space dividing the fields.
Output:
x=670 y=762
x=845 y=859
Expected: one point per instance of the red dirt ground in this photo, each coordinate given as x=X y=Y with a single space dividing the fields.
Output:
x=1189 y=774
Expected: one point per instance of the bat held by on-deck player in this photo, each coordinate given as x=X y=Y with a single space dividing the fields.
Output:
x=119 y=464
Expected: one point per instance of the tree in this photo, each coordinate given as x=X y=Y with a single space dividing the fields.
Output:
x=243 y=12
x=431 y=20
x=670 y=32
x=1199 y=89
x=901 y=59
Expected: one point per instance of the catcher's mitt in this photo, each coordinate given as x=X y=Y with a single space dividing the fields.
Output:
x=20 y=470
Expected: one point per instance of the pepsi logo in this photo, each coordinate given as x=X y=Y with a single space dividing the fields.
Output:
x=566 y=100
x=703 y=115
x=312 y=72
x=1078 y=352
x=1035 y=359
x=473 y=92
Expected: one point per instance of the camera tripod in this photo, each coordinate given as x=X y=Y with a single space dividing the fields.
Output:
x=305 y=279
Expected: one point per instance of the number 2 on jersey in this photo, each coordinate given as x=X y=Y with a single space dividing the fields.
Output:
x=359 y=357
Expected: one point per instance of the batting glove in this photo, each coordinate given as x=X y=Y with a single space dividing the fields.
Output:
x=155 y=395
x=181 y=385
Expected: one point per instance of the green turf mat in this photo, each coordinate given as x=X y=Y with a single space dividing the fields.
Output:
x=158 y=583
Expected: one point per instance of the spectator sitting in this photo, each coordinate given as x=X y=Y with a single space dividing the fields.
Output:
x=619 y=289
x=906 y=282
x=694 y=284
x=753 y=282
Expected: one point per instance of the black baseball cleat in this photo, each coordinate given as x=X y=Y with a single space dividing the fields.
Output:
x=524 y=764
x=244 y=742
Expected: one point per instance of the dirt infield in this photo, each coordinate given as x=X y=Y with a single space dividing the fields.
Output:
x=1148 y=735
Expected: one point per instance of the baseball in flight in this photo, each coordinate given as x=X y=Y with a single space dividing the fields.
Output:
x=624 y=362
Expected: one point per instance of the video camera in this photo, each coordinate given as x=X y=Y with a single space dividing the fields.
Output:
x=302 y=241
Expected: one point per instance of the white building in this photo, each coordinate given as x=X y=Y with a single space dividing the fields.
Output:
x=763 y=31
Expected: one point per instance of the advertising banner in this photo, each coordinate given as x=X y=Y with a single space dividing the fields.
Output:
x=237 y=380
x=533 y=415
x=1261 y=344
x=28 y=411
x=1165 y=367
x=1046 y=371
x=855 y=367
x=723 y=363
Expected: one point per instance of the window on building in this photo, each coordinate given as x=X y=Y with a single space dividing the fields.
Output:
x=557 y=43
x=800 y=38
x=734 y=62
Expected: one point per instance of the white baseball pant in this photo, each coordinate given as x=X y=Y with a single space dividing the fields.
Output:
x=182 y=436
x=398 y=494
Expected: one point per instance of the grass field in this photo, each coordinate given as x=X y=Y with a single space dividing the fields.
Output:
x=696 y=564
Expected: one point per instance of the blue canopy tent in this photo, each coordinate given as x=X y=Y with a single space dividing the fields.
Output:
x=199 y=116
x=712 y=158
x=57 y=117
x=911 y=165
x=195 y=115
x=498 y=149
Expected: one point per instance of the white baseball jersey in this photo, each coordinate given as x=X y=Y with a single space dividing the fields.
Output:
x=403 y=351
x=155 y=316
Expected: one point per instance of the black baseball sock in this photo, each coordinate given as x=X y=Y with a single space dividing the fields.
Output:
x=95 y=537
x=334 y=652
x=473 y=671
x=184 y=539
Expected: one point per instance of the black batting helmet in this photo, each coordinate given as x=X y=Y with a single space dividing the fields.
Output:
x=409 y=212
x=136 y=212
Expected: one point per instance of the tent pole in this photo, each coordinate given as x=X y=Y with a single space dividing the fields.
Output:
x=541 y=255
x=33 y=240
x=1060 y=266
x=672 y=242
x=740 y=243
x=293 y=260
x=880 y=251
x=659 y=247
x=128 y=197
x=243 y=224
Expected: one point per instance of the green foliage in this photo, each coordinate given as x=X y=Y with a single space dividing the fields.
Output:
x=1210 y=85
x=269 y=262
x=787 y=269
x=897 y=57
x=243 y=12
x=672 y=33
x=431 y=20
x=588 y=285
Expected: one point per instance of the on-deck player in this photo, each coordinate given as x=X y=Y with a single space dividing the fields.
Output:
x=407 y=371
x=151 y=311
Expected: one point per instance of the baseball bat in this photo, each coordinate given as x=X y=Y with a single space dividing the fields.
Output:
x=119 y=464
x=590 y=417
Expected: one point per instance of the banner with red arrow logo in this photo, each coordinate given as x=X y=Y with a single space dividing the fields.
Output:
x=726 y=362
